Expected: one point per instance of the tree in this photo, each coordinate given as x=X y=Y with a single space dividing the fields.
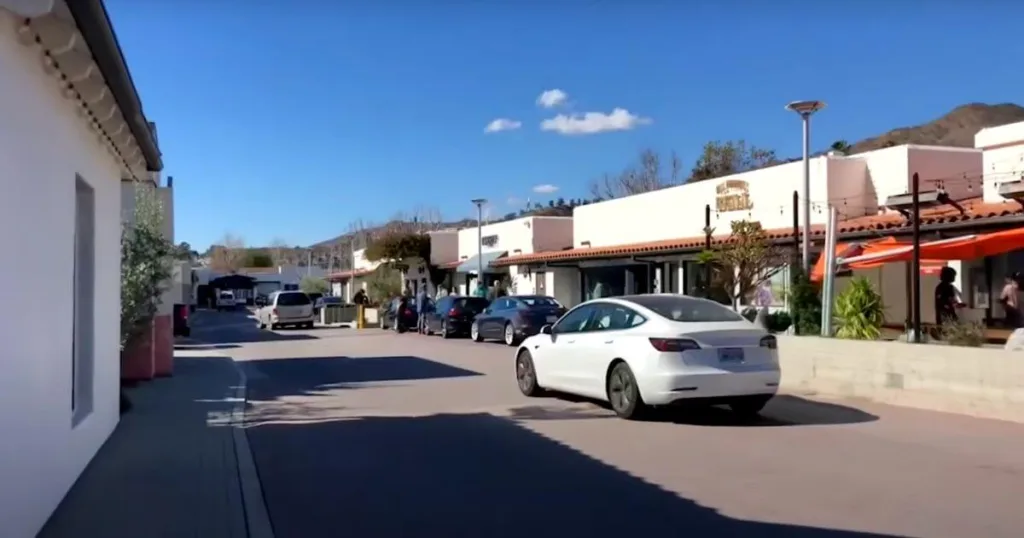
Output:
x=383 y=284
x=841 y=146
x=184 y=252
x=645 y=176
x=312 y=284
x=256 y=258
x=719 y=159
x=743 y=262
x=229 y=255
x=279 y=251
x=145 y=264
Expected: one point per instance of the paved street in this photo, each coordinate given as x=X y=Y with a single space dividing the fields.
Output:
x=372 y=434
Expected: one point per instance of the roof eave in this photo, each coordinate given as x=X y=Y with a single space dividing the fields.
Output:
x=94 y=24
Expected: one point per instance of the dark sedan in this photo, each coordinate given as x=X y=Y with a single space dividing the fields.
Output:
x=511 y=319
x=453 y=315
x=399 y=314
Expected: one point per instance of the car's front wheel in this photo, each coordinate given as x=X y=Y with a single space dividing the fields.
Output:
x=526 y=375
x=474 y=333
x=623 y=393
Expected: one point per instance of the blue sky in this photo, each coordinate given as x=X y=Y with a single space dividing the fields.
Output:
x=292 y=119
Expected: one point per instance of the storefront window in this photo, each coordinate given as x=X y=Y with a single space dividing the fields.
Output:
x=771 y=292
x=604 y=282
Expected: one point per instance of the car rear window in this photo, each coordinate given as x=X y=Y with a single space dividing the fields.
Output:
x=539 y=301
x=292 y=299
x=686 y=309
x=473 y=304
x=226 y=295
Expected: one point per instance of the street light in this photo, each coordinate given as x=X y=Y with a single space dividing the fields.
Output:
x=806 y=109
x=479 y=203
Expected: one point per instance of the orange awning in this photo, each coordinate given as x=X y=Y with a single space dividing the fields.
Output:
x=865 y=248
x=960 y=248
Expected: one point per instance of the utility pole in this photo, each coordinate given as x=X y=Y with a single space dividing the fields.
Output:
x=479 y=202
x=805 y=109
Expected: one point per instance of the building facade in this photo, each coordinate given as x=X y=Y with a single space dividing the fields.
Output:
x=73 y=129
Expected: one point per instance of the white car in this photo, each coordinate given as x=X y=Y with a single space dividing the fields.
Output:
x=286 y=308
x=653 y=350
x=226 y=300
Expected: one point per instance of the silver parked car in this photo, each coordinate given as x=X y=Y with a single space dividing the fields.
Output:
x=286 y=308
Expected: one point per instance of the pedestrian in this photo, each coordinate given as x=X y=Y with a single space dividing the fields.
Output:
x=947 y=297
x=360 y=297
x=481 y=289
x=421 y=307
x=1011 y=301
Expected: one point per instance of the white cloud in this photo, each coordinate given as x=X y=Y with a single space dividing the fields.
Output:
x=588 y=123
x=502 y=124
x=552 y=98
x=546 y=188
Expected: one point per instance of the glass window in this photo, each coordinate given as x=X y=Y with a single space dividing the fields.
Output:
x=686 y=309
x=293 y=299
x=538 y=300
x=474 y=305
x=613 y=317
x=575 y=321
x=501 y=304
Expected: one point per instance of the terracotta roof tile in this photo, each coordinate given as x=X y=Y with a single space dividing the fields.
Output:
x=451 y=265
x=975 y=209
x=345 y=275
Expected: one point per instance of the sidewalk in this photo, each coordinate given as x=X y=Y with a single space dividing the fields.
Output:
x=170 y=469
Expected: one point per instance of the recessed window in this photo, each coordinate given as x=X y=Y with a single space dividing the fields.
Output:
x=83 y=300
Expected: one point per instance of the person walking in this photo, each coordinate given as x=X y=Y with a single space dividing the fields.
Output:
x=421 y=307
x=1011 y=301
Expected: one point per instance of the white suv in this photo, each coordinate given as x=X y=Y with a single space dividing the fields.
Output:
x=286 y=308
x=226 y=300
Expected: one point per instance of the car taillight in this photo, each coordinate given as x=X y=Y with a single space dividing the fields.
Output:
x=453 y=312
x=408 y=311
x=668 y=345
x=274 y=311
x=769 y=342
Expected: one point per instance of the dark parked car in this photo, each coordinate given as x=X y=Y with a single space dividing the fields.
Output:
x=511 y=319
x=453 y=315
x=399 y=314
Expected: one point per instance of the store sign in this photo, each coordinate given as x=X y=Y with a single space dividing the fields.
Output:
x=733 y=195
x=489 y=240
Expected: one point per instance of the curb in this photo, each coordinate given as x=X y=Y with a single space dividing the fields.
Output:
x=257 y=520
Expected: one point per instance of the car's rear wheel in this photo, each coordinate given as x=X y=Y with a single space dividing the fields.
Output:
x=474 y=333
x=526 y=375
x=749 y=407
x=623 y=393
x=445 y=333
x=510 y=334
x=273 y=326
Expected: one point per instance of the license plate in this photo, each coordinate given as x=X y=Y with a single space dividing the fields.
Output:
x=552 y=319
x=730 y=354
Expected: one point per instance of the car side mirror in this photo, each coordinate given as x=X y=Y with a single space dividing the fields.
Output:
x=547 y=329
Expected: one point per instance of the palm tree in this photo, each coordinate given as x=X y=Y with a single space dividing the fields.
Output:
x=841 y=146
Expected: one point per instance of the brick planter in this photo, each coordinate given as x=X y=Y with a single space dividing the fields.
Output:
x=138 y=360
x=163 y=345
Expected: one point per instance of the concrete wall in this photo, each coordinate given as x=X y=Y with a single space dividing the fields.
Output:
x=44 y=144
x=1003 y=156
x=444 y=246
x=980 y=382
x=519 y=236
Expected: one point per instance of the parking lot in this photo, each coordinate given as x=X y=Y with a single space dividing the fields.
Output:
x=378 y=433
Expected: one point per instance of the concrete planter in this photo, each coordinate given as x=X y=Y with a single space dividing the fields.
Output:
x=137 y=360
x=980 y=382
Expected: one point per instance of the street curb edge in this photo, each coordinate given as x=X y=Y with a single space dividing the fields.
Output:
x=256 y=516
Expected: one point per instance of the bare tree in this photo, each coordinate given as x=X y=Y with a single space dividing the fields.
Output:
x=719 y=159
x=646 y=175
x=279 y=250
x=427 y=218
x=229 y=255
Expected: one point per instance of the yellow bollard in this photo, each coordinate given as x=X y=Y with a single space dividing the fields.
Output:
x=360 y=320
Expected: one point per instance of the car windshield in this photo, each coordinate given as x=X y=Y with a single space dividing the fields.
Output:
x=292 y=299
x=685 y=309
x=538 y=300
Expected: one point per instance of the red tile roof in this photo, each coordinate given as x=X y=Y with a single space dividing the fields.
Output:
x=974 y=209
x=345 y=275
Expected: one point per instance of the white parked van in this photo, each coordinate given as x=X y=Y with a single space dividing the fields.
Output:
x=226 y=300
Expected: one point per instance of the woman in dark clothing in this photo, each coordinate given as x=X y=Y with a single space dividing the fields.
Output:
x=947 y=297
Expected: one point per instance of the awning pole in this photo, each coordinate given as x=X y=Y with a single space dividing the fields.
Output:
x=828 y=291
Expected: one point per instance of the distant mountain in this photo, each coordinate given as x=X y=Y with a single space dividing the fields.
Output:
x=957 y=128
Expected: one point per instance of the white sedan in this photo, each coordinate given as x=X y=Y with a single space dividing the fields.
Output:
x=653 y=350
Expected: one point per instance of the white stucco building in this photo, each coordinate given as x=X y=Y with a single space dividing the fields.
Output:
x=649 y=242
x=72 y=129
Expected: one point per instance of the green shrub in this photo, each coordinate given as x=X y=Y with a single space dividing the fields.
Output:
x=804 y=303
x=964 y=333
x=779 y=321
x=859 y=312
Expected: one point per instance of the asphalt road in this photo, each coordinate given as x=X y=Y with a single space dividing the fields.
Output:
x=372 y=434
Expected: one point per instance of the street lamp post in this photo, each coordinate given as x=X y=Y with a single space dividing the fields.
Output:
x=479 y=203
x=806 y=109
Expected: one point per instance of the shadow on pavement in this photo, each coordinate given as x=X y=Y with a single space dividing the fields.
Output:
x=273 y=378
x=473 y=475
x=783 y=410
x=169 y=466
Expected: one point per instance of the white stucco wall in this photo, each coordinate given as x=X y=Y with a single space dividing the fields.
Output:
x=857 y=185
x=1003 y=157
x=444 y=246
x=520 y=236
x=43 y=145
